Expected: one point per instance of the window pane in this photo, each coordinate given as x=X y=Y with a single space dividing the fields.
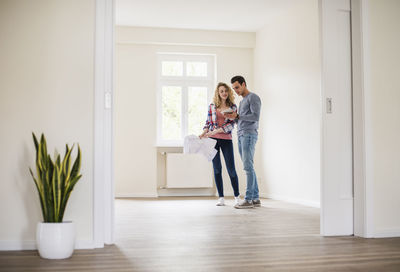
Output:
x=197 y=109
x=197 y=69
x=172 y=68
x=171 y=112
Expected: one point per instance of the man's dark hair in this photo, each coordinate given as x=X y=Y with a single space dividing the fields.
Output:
x=239 y=79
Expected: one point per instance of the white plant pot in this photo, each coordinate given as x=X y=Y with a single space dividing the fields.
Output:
x=55 y=240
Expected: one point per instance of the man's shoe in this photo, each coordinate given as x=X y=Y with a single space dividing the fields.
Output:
x=257 y=203
x=244 y=205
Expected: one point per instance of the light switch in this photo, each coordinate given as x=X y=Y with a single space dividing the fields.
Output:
x=328 y=105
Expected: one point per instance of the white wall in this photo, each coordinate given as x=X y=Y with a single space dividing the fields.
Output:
x=287 y=77
x=383 y=96
x=46 y=85
x=135 y=96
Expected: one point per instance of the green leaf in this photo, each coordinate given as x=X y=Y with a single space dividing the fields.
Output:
x=40 y=192
x=77 y=164
x=66 y=164
x=67 y=193
x=35 y=141
x=43 y=149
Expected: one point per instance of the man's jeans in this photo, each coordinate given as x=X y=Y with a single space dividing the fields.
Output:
x=247 y=144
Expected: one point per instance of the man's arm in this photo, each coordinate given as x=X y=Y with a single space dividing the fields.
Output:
x=255 y=108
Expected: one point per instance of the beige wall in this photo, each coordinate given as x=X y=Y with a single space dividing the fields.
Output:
x=383 y=85
x=46 y=85
x=287 y=76
x=135 y=97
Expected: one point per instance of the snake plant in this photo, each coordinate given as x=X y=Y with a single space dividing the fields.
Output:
x=55 y=179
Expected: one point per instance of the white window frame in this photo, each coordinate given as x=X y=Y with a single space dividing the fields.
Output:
x=185 y=82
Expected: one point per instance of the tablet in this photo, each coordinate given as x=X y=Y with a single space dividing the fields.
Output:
x=227 y=111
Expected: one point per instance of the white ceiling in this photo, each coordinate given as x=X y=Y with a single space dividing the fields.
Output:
x=228 y=15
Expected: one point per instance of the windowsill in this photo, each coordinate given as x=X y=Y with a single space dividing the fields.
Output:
x=165 y=145
x=169 y=148
x=160 y=145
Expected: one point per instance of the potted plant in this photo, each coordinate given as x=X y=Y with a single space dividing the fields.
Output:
x=55 y=180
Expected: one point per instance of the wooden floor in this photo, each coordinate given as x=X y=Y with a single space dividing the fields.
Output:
x=192 y=234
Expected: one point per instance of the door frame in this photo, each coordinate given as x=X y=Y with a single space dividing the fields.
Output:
x=103 y=183
x=103 y=186
x=362 y=134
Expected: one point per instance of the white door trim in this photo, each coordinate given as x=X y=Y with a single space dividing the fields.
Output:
x=363 y=183
x=367 y=94
x=103 y=184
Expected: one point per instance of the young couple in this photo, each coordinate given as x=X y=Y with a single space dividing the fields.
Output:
x=222 y=116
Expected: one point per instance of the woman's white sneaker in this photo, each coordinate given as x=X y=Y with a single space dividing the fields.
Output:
x=221 y=202
x=237 y=200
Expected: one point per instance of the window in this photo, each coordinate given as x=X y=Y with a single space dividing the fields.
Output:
x=185 y=88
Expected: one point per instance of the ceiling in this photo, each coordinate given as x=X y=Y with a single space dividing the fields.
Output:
x=227 y=15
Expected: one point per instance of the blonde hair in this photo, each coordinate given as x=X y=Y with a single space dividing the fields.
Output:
x=230 y=100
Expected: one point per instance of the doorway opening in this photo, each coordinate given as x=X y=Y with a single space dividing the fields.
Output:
x=271 y=78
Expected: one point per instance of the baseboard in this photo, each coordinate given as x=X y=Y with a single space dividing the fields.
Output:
x=134 y=195
x=186 y=192
x=303 y=202
x=31 y=245
x=18 y=245
x=386 y=233
x=85 y=244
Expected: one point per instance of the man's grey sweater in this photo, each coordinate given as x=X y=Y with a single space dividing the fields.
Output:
x=249 y=114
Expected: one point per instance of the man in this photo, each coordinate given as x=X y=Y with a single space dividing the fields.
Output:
x=247 y=120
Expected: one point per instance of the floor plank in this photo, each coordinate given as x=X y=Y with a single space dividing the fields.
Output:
x=192 y=234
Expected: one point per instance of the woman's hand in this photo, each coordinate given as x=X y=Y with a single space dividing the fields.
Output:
x=203 y=134
x=211 y=133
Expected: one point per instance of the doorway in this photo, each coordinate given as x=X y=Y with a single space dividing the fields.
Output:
x=112 y=206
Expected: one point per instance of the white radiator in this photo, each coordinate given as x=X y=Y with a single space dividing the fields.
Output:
x=188 y=171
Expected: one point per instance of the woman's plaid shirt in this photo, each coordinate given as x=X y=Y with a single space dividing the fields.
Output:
x=212 y=123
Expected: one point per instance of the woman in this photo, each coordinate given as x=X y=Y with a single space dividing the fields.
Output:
x=220 y=128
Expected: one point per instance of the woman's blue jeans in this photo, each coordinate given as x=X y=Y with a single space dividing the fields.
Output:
x=247 y=144
x=227 y=149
